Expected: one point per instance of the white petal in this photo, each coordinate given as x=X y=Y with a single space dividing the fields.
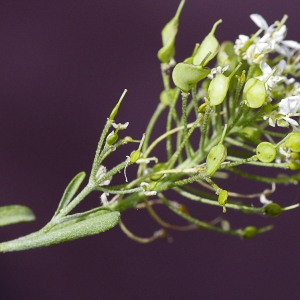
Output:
x=259 y=21
x=291 y=121
x=291 y=44
x=265 y=68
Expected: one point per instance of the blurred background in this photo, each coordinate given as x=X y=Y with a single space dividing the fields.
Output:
x=64 y=65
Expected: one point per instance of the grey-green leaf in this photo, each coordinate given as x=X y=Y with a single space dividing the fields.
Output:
x=87 y=227
x=12 y=214
x=70 y=191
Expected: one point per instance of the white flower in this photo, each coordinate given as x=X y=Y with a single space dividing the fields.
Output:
x=263 y=199
x=288 y=107
x=257 y=52
x=240 y=43
x=216 y=71
x=100 y=174
x=267 y=71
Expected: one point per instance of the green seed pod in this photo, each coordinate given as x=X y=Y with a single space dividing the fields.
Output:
x=209 y=44
x=216 y=156
x=272 y=210
x=251 y=132
x=293 y=142
x=116 y=108
x=202 y=108
x=266 y=152
x=185 y=76
x=222 y=199
x=218 y=87
x=255 y=93
x=168 y=35
x=295 y=155
x=112 y=137
x=135 y=155
x=249 y=232
x=227 y=56
x=165 y=98
x=156 y=168
x=294 y=165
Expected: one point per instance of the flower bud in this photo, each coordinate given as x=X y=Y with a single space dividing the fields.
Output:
x=272 y=210
x=219 y=86
x=295 y=155
x=249 y=232
x=209 y=44
x=185 y=76
x=293 y=142
x=266 y=152
x=168 y=35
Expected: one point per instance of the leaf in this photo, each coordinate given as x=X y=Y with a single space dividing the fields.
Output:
x=70 y=191
x=12 y=214
x=87 y=227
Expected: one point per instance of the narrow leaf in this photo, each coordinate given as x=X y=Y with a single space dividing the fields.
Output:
x=12 y=214
x=70 y=191
x=87 y=227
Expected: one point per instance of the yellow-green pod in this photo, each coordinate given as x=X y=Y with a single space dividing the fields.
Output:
x=156 y=168
x=295 y=155
x=294 y=165
x=266 y=152
x=209 y=44
x=185 y=76
x=227 y=56
x=222 y=199
x=249 y=232
x=255 y=93
x=251 y=132
x=165 y=98
x=216 y=156
x=218 y=87
x=168 y=35
x=293 y=142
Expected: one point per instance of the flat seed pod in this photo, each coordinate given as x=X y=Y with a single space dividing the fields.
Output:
x=266 y=152
x=185 y=76
x=215 y=157
x=293 y=142
x=209 y=44
x=255 y=93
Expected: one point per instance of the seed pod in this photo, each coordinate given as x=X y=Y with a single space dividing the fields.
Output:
x=295 y=155
x=227 y=56
x=156 y=168
x=116 y=108
x=249 y=232
x=112 y=137
x=294 y=165
x=165 y=98
x=266 y=152
x=293 y=142
x=209 y=44
x=222 y=199
x=219 y=86
x=216 y=156
x=168 y=35
x=185 y=76
x=272 y=210
x=255 y=92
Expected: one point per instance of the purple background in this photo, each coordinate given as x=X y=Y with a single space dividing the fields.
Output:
x=64 y=65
